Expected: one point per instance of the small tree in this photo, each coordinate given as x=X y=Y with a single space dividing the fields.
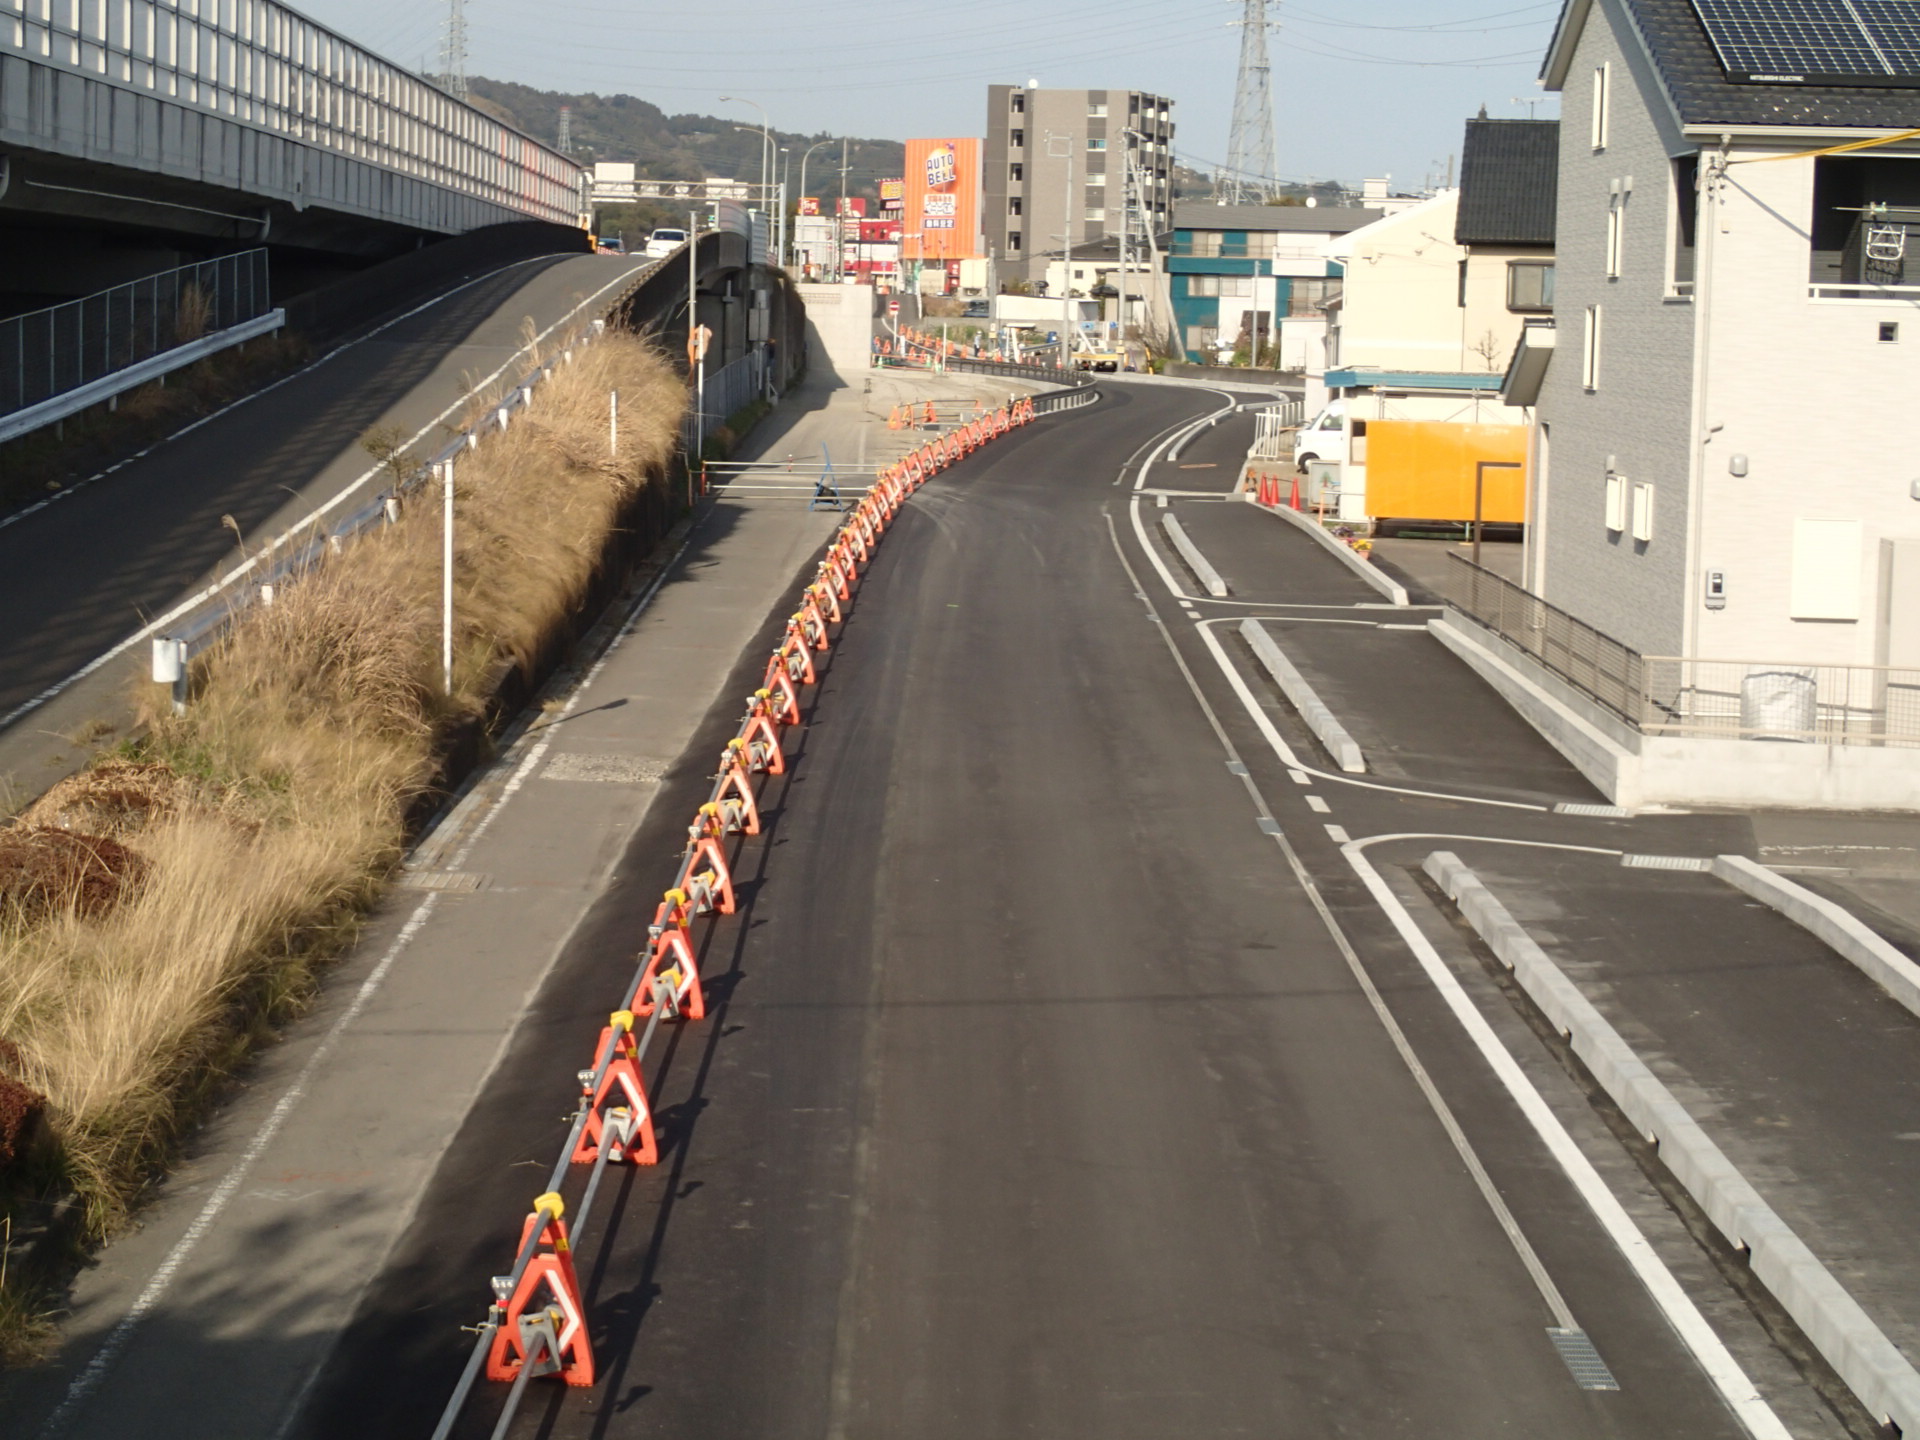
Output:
x=1490 y=350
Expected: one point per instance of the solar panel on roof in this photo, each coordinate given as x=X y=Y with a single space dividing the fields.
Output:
x=1815 y=42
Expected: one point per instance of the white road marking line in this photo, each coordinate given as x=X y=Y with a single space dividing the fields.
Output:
x=1735 y=1387
x=115 y=1345
x=1299 y=777
x=1338 y=835
x=1319 y=806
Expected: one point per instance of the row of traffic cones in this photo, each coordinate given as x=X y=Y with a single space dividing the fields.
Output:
x=538 y=1315
x=1267 y=490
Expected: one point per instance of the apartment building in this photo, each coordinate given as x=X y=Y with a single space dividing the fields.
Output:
x=1035 y=136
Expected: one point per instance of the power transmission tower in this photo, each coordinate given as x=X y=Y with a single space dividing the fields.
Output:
x=453 y=49
x=566 y=129
x=1250 y=159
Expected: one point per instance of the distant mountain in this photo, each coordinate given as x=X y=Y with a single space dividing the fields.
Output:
x=682 y=147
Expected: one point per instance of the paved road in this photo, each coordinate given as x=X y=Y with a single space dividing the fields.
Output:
x=1038 y=1098
x=81 y=574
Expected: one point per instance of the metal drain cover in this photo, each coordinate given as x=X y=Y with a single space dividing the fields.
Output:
x=1589 y=1370
x=1666 y=862
x=457 y=882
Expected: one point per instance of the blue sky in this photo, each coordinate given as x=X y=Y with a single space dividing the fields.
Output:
x=1361 y=87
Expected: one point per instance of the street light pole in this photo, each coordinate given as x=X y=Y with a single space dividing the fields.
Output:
x=766 y=146
x=1066 y=250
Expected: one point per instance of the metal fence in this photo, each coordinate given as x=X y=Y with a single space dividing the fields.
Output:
x=1769 y=700
x=1048 y=374
x=1594 y=663
x=729 y=389
x=49 y=352
x=1675 y=695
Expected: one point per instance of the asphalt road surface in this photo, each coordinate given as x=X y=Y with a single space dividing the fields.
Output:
x=1037 y=1097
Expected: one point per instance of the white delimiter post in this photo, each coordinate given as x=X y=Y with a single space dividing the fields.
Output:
x=613 y=423
x=446 y=575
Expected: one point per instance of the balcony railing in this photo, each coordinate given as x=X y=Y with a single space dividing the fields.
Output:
x=1675 y=695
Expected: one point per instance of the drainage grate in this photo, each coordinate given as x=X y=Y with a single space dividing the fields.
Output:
x=458 y=882
x=1665 y=862
x=1610 y=811
x=1589 y=1370
x=605 y=769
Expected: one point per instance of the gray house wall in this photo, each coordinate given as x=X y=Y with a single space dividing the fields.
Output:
x=1640 y=412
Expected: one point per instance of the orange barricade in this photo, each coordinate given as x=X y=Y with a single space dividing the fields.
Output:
x=568 y=1352
x=670 y=961
x=761 y=741
x=782 y=699
x=712 y=888
x=795 y=650
x=739 y=812
x=628 y=1136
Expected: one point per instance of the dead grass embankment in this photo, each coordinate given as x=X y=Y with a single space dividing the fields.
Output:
x=162 y=911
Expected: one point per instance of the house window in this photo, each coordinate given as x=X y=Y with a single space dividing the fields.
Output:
x=1096 y=142
x=1238 y=287
x=1016 y=172
x=1205 y=243
x=1602 y=99
x=1866 y=223
x=1018 y=103
x=1095 y=212
x=1096 y=112
x=1017 y=139
x=1686 y=214
x=1013 y=240
x=1616 y=221
x=1643 y=510
x=1014 y=204
x=1529 y=284
x=1590 y=350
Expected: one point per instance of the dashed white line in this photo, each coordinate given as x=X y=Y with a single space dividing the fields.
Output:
x=1337 y=835
x=1319 y=806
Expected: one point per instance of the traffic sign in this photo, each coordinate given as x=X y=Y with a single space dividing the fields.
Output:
x=893 y=307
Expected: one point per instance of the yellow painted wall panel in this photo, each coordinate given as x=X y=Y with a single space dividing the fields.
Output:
x=1424 y=470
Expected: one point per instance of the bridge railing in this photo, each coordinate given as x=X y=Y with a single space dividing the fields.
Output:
x=49 y=352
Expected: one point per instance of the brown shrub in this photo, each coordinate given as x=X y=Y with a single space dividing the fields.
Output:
x=44 y=871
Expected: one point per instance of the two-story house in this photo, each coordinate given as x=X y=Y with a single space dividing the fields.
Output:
x=1724 y=474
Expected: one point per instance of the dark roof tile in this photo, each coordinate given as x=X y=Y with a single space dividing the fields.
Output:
x=1508 y=174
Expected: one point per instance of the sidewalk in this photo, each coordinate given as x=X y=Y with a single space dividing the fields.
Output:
x=210 y=1317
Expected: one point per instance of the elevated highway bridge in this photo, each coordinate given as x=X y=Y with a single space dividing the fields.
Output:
x=142 y=133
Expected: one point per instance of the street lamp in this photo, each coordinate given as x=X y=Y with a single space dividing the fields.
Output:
x=766 y=136
x=803 y=167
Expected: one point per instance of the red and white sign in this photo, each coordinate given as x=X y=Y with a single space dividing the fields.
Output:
x=893 y=307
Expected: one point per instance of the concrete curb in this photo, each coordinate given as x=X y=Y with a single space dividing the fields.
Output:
x=1346 y=753
x=1872 y=1366
x=1385 y=584
x=1892 y=971
x=1189 y=552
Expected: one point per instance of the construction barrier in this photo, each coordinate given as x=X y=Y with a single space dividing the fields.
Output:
x=536 y=1324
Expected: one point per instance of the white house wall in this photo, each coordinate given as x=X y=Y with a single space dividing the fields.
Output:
x=1400 y=308
x=1822 y=410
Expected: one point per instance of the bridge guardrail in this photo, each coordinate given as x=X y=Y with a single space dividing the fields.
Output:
x=47 y=353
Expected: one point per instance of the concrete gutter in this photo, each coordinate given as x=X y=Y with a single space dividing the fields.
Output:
x=1832 y=925
x=1198 y=563
x=1345 y=751
x=72 y=402
x=1384 y=583
x=1870 y=1363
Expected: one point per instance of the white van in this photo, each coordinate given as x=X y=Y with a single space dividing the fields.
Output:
x=1322 y=438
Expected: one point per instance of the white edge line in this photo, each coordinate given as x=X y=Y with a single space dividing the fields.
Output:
x=1733 y=1383
x=247 y=567
x=108 y=1355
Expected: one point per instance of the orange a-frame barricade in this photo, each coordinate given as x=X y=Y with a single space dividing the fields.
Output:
x=670 y=962
x=626 y=1129
x=566 y=1350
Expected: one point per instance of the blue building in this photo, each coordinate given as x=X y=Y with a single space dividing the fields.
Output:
x=1237 y=273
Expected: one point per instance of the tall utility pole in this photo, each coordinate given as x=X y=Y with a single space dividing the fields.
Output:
x=453 y=50
x=1250 y=159
x=566 y=129
x=1066 y=142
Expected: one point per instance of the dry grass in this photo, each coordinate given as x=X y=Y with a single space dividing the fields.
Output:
x=264 y=820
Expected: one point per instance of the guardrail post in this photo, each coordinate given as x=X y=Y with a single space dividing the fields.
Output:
x=170 y=668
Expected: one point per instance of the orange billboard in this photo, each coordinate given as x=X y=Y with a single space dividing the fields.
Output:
x=942 y=216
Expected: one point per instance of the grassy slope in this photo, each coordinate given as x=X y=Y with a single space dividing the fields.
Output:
x=267 y=817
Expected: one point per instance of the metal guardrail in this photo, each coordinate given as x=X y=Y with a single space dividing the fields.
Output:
x=1593 y=662
x=1772 y=700
x=1047 y=374
x=1681 y=696
x=47 y=353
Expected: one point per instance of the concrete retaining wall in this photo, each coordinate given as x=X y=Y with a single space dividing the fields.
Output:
x=1870 y=1363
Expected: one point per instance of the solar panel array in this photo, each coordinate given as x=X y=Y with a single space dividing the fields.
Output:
x=1815 y=42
